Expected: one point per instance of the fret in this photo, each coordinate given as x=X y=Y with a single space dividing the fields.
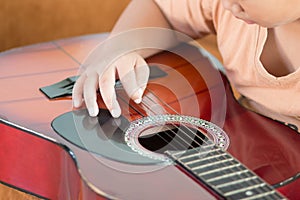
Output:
x=211 y=164
x=227 y=175
x=207 y=158
x=218 y=169
x=230 y=184
x=188 y=152
x=228 y=179
x=237 y=188
x=203 y=158
x=258 y=193
x=191 y=156
x=271 y=194
x=244 y=189
x=208 y=145
x=223 y=174
x=197 y=154
x=214 y=163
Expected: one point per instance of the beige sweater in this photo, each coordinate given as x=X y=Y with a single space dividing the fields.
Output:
x=240 y=45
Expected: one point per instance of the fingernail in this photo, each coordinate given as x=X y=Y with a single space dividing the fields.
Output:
x=92 y=112
x=76 y=103
x=139 y=94
x=116 y=113
x=138 y=101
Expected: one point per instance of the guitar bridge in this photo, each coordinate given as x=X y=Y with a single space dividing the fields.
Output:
x=64 y=88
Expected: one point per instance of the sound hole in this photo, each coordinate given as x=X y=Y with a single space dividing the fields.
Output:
x=170 y=137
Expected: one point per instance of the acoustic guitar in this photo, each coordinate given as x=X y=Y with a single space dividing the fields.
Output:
x=188 y=139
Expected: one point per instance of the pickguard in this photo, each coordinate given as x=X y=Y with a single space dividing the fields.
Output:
x=103 y=135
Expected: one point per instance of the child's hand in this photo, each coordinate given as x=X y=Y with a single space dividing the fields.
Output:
x=133 y=73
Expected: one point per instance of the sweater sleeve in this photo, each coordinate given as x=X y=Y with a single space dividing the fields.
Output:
x=192 y=17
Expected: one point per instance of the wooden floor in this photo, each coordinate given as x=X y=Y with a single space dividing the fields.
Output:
x=13 y=194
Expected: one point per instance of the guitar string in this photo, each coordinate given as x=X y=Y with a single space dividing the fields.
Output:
x=209 y=161
x=140 y=113
x=167 y=105
x=256 y=181
x=191 y=131
x=69 y=55
x=171 y=108
x=119 y=87
x=149 y=108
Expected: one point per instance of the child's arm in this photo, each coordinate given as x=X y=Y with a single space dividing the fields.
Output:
x=138 y=14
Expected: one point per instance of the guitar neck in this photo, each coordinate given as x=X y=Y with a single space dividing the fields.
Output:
x=221 y=172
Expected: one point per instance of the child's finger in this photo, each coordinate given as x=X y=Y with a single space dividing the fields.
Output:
x=77 y=92
x=126 y=71
x=108 y=93
x=142 y=75
x=90 y=96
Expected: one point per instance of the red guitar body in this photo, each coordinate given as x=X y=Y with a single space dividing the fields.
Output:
x=35 y=159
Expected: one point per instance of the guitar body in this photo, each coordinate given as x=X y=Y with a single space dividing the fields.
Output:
x=40 y=158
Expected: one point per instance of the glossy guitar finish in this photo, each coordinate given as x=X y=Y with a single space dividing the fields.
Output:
x=36 y=159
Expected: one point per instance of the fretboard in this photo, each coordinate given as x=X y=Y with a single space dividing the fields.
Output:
x=221 y=172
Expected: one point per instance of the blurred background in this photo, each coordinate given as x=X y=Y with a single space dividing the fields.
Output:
x=24 y=22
